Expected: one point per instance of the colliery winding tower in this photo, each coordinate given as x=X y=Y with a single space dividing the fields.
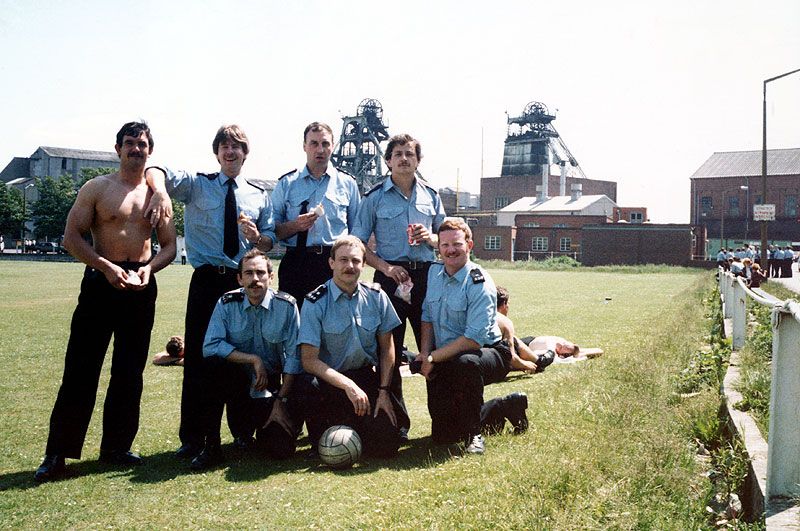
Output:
x=359 y=151
x=533 y=144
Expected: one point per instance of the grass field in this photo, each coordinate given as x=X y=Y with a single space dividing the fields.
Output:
x=609 y=444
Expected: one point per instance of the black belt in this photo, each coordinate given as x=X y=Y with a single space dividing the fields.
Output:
x=310 y=249
x=411 y=266
x=220 y=270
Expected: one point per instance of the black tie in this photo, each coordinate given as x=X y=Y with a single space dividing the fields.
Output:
x=302 y=236
x=230 y=244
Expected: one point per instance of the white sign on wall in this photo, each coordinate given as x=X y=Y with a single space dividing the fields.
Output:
x=763 y=212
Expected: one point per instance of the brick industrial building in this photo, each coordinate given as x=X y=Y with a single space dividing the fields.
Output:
x=725 y=188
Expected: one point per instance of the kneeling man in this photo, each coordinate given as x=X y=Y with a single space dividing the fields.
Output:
x=462 y=348
x=253 y=328
x=345 y=333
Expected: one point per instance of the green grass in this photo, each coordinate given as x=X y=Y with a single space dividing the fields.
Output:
x=609 y=444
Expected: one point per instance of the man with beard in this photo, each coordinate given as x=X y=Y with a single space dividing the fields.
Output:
x=215 y=202
x=313 y=207
x=118 y=295
x=404 y=213
x=345 y=333
x=254 y=328
x=462 y=347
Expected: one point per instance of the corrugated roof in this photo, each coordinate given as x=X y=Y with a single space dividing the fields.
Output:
x=84 y=154
x=560 y=203
x=748 y=163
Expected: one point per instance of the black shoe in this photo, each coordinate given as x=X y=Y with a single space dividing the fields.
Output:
x=118 y=457
x=544 y=361
x=402 y=434
x=243 y=442
x=514 y=406
x=189 y=451
x=52 y=468
x=210 y=457
x=474 y=445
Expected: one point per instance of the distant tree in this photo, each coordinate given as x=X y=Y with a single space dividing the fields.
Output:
x=56 y=197
x=10 y=209
x=177 y=216
x=88 y=174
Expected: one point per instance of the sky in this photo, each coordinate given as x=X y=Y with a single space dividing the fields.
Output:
x=643 y=92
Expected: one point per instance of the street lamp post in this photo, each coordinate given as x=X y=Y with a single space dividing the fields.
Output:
x=764 y=165
x=24 y=215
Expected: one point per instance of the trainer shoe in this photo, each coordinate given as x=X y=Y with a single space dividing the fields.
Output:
x=475 y=445
x=189 y=451
x=52 y=468
x=514 y=406
x=544 y=361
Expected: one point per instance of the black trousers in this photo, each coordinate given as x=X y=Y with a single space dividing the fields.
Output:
x=379 y=437
x=405 y=310
x=208 y=284
x=301 y=272
x=455 y=393
x=103 y=311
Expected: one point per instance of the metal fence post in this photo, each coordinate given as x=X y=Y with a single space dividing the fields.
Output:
x=783 y=457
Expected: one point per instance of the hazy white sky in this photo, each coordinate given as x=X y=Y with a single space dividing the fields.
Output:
x=644 y=91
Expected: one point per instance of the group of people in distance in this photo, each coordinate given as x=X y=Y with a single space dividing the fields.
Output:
x=324 y=350
x=746 y=262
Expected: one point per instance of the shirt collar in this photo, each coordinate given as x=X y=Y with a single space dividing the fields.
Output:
x=336 y=292
x=307 y=173
x=266 y=303
x=224 y=179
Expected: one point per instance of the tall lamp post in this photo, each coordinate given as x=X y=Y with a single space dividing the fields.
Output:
x=24 y=216
x=764 y=165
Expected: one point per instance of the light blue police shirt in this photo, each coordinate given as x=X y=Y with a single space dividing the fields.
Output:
x=268 y=330
x=387 y=212
x=338 y=193
x=204 y=216
x=345 y=328
x=461 y=305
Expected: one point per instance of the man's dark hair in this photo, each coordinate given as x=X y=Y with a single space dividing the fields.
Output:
x=317 y=127
x=135 y=129
x=402 y=140
x=175 y=347
x=231 y=133
x=252 y=253
x=502 y=296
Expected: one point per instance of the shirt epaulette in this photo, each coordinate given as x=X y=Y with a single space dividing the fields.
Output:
x=209 y=176
x=477 y=276
x=236 y=295
x=282 y=295
x=374 y=286
x=317 y=294
x=288 y=173
x=256 y=186
x=376 y=187
x=427 y=185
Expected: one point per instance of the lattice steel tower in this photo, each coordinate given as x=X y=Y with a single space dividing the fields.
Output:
x=359 y=150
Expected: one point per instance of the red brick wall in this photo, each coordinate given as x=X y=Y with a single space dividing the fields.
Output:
x=506 y=234
x=624 y=213
x=622 y=243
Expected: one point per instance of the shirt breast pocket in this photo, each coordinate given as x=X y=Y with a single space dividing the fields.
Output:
x=336 y=335
x=456 y=311
x=367 y=329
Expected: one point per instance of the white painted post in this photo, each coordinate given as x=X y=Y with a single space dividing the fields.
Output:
x=739 y=308
x=728 y=296
x=783 y=457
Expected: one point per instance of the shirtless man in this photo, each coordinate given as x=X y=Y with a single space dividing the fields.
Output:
x=118 y=295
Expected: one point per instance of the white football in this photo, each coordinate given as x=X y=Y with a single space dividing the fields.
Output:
x=339 y=447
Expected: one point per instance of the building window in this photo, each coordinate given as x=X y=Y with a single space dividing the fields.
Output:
x=491 y=243
x=733 y=207
x=565 y=244
x=530 y=225
x=636 y=217
x=790 y=206
x=539 y=243
x=559 y=225
x=63 y=164
x=500 y=202
x=757 y=200
x=706 y=205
